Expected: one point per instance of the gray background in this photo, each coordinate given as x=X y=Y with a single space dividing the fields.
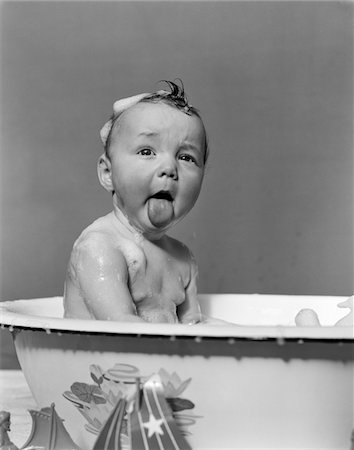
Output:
x=274 y=84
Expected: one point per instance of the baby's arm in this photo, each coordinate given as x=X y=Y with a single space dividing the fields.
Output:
x=102 y=276
x=189 y=311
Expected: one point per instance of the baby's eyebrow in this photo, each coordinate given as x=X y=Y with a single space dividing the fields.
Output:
x=189 y=146
x=148 y=134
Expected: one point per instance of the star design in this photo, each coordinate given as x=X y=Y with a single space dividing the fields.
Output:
x=153 y=425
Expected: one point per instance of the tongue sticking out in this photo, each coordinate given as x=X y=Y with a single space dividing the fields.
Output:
x=160 y=211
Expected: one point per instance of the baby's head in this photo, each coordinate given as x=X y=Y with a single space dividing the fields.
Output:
x=155 y=154
x=176 y=98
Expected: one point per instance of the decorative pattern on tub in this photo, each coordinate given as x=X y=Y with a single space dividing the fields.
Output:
x=145 y=406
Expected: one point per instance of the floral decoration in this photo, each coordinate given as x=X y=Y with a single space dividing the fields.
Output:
x=95 y=401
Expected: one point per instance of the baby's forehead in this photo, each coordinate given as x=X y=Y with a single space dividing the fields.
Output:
x=156 y=117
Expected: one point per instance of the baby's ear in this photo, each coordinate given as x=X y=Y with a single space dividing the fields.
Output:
x=104 y=172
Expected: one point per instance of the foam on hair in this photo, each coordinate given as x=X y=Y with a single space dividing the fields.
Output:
x=176 y=98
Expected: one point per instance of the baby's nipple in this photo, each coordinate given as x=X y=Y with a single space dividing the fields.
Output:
x=160 y=212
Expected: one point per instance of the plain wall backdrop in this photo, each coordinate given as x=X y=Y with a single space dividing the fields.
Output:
x=274 y=84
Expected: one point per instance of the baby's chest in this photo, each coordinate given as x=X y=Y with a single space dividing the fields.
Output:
x=159 y=279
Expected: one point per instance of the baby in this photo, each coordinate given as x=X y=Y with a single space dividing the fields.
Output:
x=124 y=266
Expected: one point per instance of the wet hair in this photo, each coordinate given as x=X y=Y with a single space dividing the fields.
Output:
x=175 y=98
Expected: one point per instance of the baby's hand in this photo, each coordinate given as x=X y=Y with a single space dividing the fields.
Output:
x=202 y=319
x=214 y=321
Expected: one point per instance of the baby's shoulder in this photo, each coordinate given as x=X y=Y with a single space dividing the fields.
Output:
x=178 y=249
x=101 y=241
x=96 y=234
x=98 y=240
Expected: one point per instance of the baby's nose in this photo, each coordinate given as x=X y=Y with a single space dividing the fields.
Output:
x=168 y=170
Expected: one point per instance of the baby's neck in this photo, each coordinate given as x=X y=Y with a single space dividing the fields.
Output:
x=128 y=229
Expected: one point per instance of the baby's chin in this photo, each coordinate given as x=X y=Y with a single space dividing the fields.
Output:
x=154 y=224
x=163 y=214
x=159 y=230
x=154 y=231
x=145 y=227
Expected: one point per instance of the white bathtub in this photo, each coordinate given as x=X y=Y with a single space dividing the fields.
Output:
x=264 y=385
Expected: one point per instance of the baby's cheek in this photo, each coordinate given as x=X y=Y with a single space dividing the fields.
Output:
x=194 y=188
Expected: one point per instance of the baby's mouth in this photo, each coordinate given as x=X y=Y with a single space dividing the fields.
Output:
x=160 y=208
x=163 y=195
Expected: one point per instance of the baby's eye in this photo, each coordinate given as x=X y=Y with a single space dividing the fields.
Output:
x=188 y=158
x=146 y=152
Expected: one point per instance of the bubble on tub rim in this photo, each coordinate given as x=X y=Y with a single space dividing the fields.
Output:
x=48 y=330
x=198 y=339
x=172 y=338
x=300 y=341
x=11 y=328
x=231 y=340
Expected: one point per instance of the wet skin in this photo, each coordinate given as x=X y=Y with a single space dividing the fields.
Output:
x=124 y=266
